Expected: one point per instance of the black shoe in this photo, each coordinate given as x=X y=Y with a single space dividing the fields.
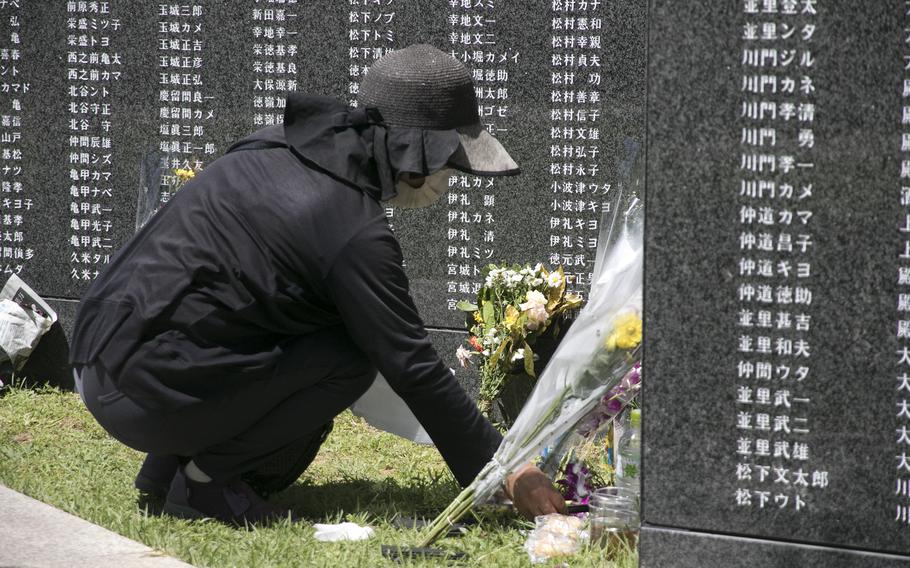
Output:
x=283 y=467
x=232 y=502
x=155 y=475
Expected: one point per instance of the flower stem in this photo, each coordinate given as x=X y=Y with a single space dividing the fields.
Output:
x=547 y=418
x=451 y=515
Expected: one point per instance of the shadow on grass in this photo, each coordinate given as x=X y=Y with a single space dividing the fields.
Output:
x=419 y=500
x=377 y=498
x=153 y=505
x=390 y=499
x=386 y=498
x=407 y=505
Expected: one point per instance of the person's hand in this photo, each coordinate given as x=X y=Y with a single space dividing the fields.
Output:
x=533 y=493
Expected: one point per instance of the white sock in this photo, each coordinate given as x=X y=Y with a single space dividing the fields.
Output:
x=193 y=472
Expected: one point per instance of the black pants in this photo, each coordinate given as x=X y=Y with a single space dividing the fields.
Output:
x=322 y=374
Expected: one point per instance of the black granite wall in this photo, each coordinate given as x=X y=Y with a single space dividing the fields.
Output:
x=776 y=297
x=777 y=254
x=100 y=101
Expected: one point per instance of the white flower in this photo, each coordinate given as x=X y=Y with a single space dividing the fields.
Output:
x=554 y=279
x=534 y=298
x=491 y=338
x=536 y=282
x=464 y=356
x=519 y=354
x=493 y=276
x=536 y=309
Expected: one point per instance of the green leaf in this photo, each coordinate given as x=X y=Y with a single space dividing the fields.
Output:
x=488 y=313
x=466 y=306
x=529 y=360
x=499 y=350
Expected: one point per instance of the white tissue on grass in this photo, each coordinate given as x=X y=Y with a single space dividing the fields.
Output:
x=342 y=531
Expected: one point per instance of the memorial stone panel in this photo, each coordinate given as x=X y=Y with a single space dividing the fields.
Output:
x=119 y=94
x=101 y=101
x=776 y=294
x=561 y=84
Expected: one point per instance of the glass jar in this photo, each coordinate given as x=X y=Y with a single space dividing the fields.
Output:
x=614 y=518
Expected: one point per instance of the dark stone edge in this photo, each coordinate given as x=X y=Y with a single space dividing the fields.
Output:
x=680 y=548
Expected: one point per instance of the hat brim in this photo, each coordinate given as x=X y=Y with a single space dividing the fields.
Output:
x=480 y=154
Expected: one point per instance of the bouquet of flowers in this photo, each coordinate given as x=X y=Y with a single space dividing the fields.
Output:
x=595 y=356
x=515 y=307
x=577 y=456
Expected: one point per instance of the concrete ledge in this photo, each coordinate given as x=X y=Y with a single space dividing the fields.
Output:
x=35 y=535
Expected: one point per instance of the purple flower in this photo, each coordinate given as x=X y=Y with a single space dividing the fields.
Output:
x=635 y=374
x=575 y=483
x=614 y=406
x=613 y=402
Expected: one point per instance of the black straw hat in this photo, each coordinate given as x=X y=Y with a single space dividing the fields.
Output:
x=422 y=87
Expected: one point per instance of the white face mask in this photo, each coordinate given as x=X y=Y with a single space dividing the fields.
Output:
x=434 y=185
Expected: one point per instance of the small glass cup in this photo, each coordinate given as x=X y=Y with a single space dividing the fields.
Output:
x=614 y=518
x=617 y=541
x=613 y=528
x=616 y=497
x=631 y=488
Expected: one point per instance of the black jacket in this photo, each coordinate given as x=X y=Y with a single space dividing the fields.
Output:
x=281 y=237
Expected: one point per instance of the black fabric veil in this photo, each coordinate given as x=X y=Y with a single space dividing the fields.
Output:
x=354 y=145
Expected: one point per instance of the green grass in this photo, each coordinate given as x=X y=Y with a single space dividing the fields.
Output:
x=52 y=450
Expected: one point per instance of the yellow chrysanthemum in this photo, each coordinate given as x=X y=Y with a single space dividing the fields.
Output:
x=477 y=317
x=185 y=175
x=511 y=319
x=626 y=333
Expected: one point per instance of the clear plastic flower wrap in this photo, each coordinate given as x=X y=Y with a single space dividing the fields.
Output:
x=553 y=536
x=597 y=352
